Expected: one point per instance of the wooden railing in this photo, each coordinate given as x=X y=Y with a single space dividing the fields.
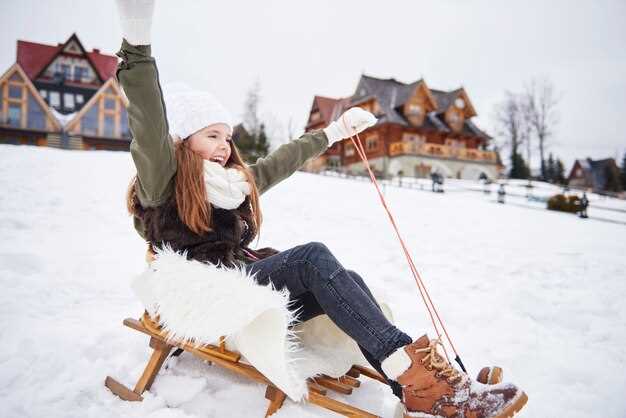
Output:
x=442 y=151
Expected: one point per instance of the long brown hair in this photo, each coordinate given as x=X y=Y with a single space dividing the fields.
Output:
x=191 y=201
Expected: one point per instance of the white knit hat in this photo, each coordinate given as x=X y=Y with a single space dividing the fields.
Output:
x=189 y=110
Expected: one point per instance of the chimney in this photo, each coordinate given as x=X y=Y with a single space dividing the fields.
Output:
x=96 y=50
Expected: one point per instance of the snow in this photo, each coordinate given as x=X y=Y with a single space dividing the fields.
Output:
x=63 y=119
x=536 y=292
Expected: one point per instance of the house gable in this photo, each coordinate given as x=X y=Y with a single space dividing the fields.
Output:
x=104 y=115
x=71 y=63
x=419 y=103
x=21 y=105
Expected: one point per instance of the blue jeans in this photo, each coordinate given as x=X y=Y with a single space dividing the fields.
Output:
x=319 y=284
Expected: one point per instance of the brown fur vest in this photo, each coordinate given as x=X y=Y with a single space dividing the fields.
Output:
x=231 y=231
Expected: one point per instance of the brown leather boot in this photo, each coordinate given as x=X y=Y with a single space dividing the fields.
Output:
x=432 y=388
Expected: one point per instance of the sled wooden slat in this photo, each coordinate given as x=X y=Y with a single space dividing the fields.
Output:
x=158 y=357
x=316 y=388
x=350 y=381
x=338 y=407
x=276 y=398
x=333 y=384
x=372 y=374
x=219 y=355
x=121 y=390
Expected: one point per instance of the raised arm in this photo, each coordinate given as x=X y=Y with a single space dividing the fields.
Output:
x=151 y=148
x=289 y=157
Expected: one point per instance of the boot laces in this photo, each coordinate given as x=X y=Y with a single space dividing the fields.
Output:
x=436 y=361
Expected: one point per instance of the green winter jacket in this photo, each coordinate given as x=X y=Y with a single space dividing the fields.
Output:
x=152 y=148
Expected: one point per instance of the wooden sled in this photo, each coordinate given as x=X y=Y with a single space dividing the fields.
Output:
x=220 y=356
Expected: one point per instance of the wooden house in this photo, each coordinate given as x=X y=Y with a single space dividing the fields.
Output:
x=63 y=96
x=420 y=130
x=597 y=175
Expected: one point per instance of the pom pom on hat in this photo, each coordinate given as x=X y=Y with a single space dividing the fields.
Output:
x=189 y=110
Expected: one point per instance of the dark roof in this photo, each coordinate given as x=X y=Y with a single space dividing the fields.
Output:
x=597 y=172
x=392 y=94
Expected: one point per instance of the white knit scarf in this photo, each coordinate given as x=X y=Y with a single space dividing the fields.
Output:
x=226 y=188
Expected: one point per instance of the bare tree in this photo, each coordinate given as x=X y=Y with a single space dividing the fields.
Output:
x=512 y=125
x=541 y=101
x=251 y=118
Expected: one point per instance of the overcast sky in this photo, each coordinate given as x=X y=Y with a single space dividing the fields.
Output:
x=298 y=49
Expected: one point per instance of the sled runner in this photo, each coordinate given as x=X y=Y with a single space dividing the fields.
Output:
x=220 y=356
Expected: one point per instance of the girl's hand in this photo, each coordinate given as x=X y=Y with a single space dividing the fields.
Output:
x=352 y=122
x=136 y=20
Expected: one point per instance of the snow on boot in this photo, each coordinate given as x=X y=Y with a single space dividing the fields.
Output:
x=490 y=375
x=432 y=388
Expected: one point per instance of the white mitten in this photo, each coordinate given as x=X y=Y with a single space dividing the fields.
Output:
x=352 y=122
x=136 y=20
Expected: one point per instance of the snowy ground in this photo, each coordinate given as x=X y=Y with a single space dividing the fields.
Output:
x=538 y=292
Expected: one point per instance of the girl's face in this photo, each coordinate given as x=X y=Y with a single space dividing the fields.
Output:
x=212 y=143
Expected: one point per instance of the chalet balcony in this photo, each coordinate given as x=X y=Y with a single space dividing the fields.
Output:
x=441 y=151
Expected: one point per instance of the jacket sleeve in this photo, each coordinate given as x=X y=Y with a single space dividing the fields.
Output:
x=151 y=148
x=287 y=159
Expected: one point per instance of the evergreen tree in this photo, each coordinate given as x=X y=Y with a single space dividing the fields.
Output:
x=262 y=144
x=519 y=169
x=613 y=182
x=623 y=172
x=550 y=169
x=559 y=172
x=252 y=140
x=252 y=147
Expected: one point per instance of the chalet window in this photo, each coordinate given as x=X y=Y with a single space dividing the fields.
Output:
x=109 y=103
x=109 y=125
x=124 y=131
x=66 y=70
x=80 y=73
x=89 y=123
x=415 y=110
x=14 y=115
x=349 y=150
x=36 y=116
x=371 y=143
x=413 y=138
x=68 y=99
x=15 y=91
x=54 y=99
x=80 y=99
x=43 y=93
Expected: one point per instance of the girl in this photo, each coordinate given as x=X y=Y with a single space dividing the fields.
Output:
x=194 y=193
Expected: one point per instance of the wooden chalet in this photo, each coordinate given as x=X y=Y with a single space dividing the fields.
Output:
x=420 y=130
x=63 y=96
x=596 y=175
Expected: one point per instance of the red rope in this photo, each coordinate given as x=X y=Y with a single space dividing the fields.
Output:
x=430 y=306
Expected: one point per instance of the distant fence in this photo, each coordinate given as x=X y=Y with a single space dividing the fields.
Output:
x=426 y=184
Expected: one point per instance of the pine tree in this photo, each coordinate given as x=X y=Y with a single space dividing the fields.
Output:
x=550 y=169
x=613 y=175
x=519 y=169
x=262 y=144
x=623 y=172
x=559 y=172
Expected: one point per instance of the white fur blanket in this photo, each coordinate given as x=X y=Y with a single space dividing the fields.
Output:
x=199 y=302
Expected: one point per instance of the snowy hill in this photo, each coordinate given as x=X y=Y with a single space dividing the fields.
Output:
x=539 y=293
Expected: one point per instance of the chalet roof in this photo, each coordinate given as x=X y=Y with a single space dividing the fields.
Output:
x=444 y=98
x=596 y=172
x=33 y=57
x=392 y=94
